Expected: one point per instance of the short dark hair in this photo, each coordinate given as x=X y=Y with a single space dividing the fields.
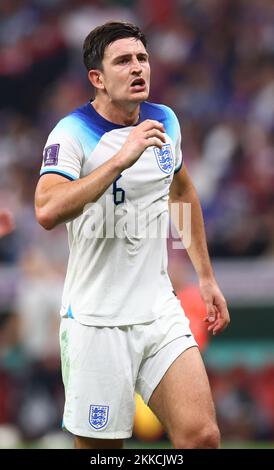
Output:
x=99 y=38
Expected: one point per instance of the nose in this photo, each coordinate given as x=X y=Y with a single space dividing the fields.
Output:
x=136 y=66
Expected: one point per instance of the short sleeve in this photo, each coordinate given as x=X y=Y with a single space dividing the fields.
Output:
x=177 y=141
x=173 y=129
x=63 y=154
x=178 y=152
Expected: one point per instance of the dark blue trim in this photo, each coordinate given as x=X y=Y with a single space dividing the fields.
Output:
x=58 y=172
x=88 y=112
x=153 y=111
x=147 y=111
x=179 y=167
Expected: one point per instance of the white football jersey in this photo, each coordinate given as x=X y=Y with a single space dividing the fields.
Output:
x=117 y=268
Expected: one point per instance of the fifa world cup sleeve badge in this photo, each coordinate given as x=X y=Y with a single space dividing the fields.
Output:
x=51 y=155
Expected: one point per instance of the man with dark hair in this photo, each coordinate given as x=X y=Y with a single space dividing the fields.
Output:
x=99 y=38
x=110 y=169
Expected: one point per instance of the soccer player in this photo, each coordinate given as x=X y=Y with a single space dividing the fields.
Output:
x=109 y=170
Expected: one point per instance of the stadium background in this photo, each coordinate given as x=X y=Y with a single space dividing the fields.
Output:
x=213 y=63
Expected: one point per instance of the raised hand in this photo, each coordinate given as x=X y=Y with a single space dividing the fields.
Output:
x=148 y=133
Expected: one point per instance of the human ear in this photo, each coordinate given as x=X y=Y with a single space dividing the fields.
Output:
x=96 y=79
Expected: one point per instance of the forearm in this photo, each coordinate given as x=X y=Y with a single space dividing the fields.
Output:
x=197 y=250
x=66 y=200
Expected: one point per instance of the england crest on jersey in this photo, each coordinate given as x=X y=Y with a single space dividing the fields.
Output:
x=164 y=158
x=98 y=416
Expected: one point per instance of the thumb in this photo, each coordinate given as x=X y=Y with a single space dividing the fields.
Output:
x=210 y=312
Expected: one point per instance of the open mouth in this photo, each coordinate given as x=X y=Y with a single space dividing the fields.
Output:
x=138 y=83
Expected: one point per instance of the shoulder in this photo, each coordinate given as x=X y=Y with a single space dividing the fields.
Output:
x=155 y=110
x=73 y=122
x=79 y=126
x=164 y=114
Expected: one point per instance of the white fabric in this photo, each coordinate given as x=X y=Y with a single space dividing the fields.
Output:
x=104 y=366
x=120 y=279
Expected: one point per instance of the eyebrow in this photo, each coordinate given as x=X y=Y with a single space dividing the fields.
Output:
x=122 y=56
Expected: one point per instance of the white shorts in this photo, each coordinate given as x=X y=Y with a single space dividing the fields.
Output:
x=102 y=367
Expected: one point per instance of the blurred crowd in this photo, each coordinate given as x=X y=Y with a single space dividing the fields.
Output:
x=213 y=63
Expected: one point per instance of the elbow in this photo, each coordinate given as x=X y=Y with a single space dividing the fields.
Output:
x=45 y=219
x=183 y=195
x=176 y=197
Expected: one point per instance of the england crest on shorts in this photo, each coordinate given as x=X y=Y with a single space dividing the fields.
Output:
x=164 y=158
x=98 y=416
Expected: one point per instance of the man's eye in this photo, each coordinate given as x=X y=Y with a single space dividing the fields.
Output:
x=123 y=61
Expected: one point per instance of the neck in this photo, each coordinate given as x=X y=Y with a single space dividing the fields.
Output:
x=122 y=114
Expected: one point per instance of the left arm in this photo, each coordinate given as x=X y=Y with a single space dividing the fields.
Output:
x=183 y=191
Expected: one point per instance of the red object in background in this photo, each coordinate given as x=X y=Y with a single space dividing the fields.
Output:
x=157 y=12
x=195 y=310
x=5 y=393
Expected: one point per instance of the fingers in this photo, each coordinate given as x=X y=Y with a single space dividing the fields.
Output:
x=221 y=321
x=154 y=142
x=216 y=307
x=155 y=138
x=152 y=124
x=155 y=133
x=210 y=310
x=223 y=318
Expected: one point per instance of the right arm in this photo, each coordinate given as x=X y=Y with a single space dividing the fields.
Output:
x=58 y=200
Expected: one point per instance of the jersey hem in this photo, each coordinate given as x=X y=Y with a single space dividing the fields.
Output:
x=88 y=320
x=178 y=167
x=61 y=173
